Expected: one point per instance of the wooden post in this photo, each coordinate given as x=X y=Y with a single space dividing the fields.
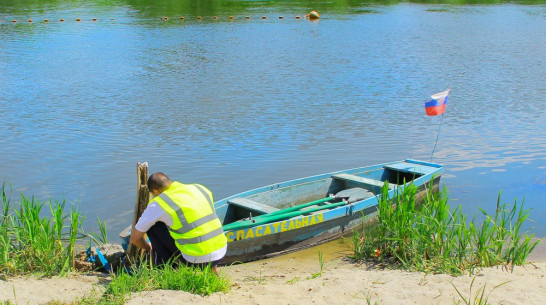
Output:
x=143 y=197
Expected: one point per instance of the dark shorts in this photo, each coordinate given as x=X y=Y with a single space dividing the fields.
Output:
x=164 y=249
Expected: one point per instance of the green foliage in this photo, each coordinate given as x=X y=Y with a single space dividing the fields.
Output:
x=260 y=279
x=33 y=244
x=321 y=264
x=480 y=298
x=103 y=237
x=143 y=278
x=30 y=243
x=432 y=238
x=152 y=9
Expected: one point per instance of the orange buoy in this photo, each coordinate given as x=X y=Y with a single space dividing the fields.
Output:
x=30 y=20
x=264 y=17
x=78 y=20
x=62 y=20
x=313 y=15
x=14 y=21
x=297 y=17
x=230 y=17
x=46 y=20
x=94 y=19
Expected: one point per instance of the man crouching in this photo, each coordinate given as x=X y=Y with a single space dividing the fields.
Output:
x=181 y=224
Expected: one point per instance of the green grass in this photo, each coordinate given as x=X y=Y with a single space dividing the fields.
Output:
x=192 y=280
x=125 y=284
x=144 y=278
x=103 y=237
x=34 y=244
x=434 y=238
x=260 y=279
x=321 y=264
x=480 y=298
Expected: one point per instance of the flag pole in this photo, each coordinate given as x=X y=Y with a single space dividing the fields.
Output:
x=437 y=137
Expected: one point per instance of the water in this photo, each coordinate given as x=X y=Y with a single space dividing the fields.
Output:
x=239 y=104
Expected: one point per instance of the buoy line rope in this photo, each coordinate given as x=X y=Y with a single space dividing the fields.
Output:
x=164 y=18
x=313 y=15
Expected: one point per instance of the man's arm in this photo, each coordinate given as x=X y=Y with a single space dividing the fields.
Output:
x=149 y=217
x=137 y=238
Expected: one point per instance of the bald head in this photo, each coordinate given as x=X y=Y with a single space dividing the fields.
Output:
x=158 y=182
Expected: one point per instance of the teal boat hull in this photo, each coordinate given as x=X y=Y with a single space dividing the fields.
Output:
x=248 y=242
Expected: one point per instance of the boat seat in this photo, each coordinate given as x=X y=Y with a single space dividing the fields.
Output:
x=359 y=179
x=252 y=205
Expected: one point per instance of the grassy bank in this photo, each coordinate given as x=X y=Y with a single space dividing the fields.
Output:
x=39 y=239
x=31 y=243
x=433 y=238
x=124 y=285
x=145 y=278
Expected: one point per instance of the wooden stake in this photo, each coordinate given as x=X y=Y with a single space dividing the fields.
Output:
x=143 y=197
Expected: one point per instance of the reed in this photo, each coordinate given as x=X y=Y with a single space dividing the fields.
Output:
x=45 y=246
x=480 y=298
x=321 y=264
x=103 y=237
x=260 y=279
x=434 y=238
x=34 y=244
x=369 y=299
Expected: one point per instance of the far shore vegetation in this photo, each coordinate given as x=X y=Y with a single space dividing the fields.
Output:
x=429 y=237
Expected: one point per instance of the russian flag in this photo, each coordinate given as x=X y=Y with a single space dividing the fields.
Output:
x=437 y=103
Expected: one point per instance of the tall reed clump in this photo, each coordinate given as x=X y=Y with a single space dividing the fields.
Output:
x=33 y=244
x=432 y=238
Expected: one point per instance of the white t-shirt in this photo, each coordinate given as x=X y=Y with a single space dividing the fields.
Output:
x=154 y=213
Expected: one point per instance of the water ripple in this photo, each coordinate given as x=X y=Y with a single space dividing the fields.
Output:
x=240 y=104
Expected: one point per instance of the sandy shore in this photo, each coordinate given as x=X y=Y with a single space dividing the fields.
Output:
x=289 y=280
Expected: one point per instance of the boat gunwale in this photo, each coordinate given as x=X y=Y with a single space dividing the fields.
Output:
x=334 y=213
x=224 y=202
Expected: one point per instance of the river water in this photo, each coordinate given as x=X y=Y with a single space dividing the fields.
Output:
x=239 y=103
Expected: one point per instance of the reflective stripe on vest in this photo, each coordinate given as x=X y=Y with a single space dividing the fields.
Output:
x=187 y=226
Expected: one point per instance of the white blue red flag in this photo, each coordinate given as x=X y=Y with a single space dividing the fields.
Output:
x=437 y=103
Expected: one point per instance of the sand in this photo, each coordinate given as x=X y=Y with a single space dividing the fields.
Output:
x=295 y=279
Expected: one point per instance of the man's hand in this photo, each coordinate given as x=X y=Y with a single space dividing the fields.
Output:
x=137 y=238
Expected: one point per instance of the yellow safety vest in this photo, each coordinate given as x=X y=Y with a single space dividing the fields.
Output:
x=196 y=229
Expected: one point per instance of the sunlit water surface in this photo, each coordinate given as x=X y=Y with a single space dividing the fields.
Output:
x=239 y=104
